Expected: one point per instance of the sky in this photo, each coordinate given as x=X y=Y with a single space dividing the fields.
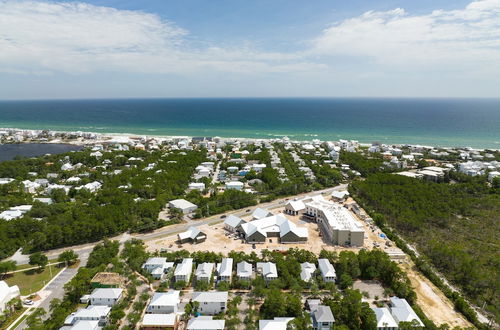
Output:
x=242 y=48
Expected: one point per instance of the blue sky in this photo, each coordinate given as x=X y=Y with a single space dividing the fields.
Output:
x=238 y=48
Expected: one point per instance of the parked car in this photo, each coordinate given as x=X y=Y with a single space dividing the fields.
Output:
x=28 y=302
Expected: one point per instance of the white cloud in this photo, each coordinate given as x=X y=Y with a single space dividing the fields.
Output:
x=466 y=38
x=46 y=37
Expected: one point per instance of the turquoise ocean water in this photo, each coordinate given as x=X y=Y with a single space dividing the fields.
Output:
x=442 y=122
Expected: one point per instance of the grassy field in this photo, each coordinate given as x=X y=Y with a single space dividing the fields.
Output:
x=30 y=281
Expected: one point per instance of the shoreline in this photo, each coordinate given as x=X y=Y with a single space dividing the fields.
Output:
x=124 y=137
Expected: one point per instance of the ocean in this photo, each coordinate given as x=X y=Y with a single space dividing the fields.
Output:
x=440 y=122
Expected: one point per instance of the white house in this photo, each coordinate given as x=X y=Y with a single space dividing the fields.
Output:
x=93 y=314
x=204 y=271
x=164 y=303
x=205 y=323
x=235 y=185
x=385 y=321
x=7 y=293
x=183 y=270
x=327 y=271
x=196 y=186
x=233 y=223
x=322 y=318
x=225 y=270
x=157 y=267
x=183 y=205
x=211 y=303
x=340 y=196
x=307 y=270
x=279 y=323
x=105 y=296
x=267 y=270
x=159 y=321
x=244 y=271
x=258 y=167
x=402 y=311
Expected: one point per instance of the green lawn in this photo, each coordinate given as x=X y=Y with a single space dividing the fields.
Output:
x=31 y=281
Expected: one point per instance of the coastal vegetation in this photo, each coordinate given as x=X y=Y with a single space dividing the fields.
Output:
x=453 y=226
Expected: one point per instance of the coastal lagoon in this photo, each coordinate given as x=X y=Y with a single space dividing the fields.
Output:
x=438 y=122
x=10 y=151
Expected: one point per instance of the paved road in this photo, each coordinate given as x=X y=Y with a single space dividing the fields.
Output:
x=85 y=249
x=55 y=289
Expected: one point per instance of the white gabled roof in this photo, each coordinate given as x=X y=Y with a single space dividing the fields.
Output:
x=170 y=298
x=85 y=325
x=225 y=268
x=233 y=221
x=212 y=296
x=205 y=269
x=181 y=204
x=402 y=311
x=205 y=323
x=279 y=323
x=384 y=318
x=296 y=205
x=307 y=270
x=340 y=194
x=106 y=293
x=192 y=232
x=92 y=312
x=273 y=224
x=163 y=320
x=267 y=269
x=326 y=268
x=260 y=213
x=185 y=267
x=244 y=269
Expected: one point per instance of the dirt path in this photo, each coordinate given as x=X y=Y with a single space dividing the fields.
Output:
x=432 y=301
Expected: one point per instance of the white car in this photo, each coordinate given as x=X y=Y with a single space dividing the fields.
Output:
x=28 y=302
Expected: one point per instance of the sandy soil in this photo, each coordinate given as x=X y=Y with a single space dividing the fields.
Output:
x=433 y=302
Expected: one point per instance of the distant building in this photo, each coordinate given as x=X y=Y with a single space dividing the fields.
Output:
x=196 y=186
x=183 y=205
x=235 y=185
x=107 y=280
x=90 y=318
x=260 y=213
x=278 y=226
x=294 y=207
